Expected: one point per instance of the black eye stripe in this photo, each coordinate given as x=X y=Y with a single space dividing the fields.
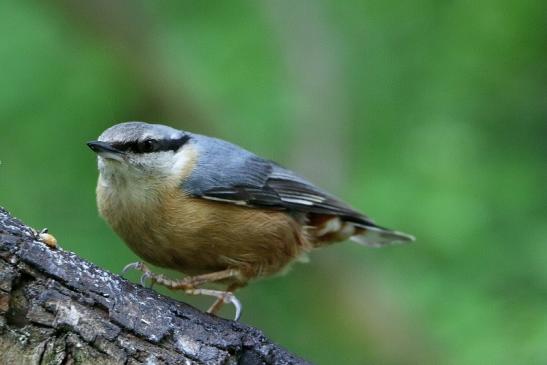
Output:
x=152 y=145
x=172 y=144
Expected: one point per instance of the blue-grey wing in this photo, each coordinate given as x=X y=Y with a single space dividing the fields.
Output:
x=227 y=173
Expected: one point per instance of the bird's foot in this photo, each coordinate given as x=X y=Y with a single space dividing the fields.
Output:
x=146 y=273
x=191 y=285
x=223 y=297
x=221 y=300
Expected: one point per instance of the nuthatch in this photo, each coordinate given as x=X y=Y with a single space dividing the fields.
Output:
x=213 y=210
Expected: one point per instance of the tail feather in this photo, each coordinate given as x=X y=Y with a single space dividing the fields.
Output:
x=327 y=229
x=374 y=236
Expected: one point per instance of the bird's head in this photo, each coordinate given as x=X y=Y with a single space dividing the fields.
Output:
x=136 y=150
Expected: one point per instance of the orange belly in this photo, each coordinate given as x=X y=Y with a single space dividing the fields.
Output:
x=196 y=236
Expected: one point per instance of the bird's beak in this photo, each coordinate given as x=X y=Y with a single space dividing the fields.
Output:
x=106 y=150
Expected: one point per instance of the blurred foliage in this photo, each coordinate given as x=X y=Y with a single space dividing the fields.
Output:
x=430 y=116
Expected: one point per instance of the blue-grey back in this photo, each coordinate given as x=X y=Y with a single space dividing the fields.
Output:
x=222 y=164
x=229 y=173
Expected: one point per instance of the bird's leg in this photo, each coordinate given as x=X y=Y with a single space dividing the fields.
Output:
x=213 y=309
x=190 y=284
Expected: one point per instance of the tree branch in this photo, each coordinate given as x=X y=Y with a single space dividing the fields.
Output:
x=56 y=308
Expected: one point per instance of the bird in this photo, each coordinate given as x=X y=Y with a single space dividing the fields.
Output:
x=214 y=211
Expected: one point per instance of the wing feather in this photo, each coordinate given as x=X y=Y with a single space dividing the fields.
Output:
x=240 y=177
x=286 y=191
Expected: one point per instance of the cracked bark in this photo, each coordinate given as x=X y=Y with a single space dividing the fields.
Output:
x=56 y=308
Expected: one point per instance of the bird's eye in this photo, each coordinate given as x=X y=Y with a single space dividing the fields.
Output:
x=148 y=145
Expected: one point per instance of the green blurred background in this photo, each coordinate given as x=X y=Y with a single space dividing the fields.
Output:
x=430 y=116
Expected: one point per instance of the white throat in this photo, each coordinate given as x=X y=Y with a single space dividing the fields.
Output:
x=145 y=178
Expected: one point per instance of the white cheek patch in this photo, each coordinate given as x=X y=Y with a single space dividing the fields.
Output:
x=184 y=161
x=144 y=177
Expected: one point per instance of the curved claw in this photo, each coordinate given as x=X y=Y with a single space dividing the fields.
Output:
x=146 y=273
x=145 y=276
x=237 y=304
x=131 y=266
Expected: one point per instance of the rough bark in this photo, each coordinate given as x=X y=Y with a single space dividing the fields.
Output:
x=56 y=308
